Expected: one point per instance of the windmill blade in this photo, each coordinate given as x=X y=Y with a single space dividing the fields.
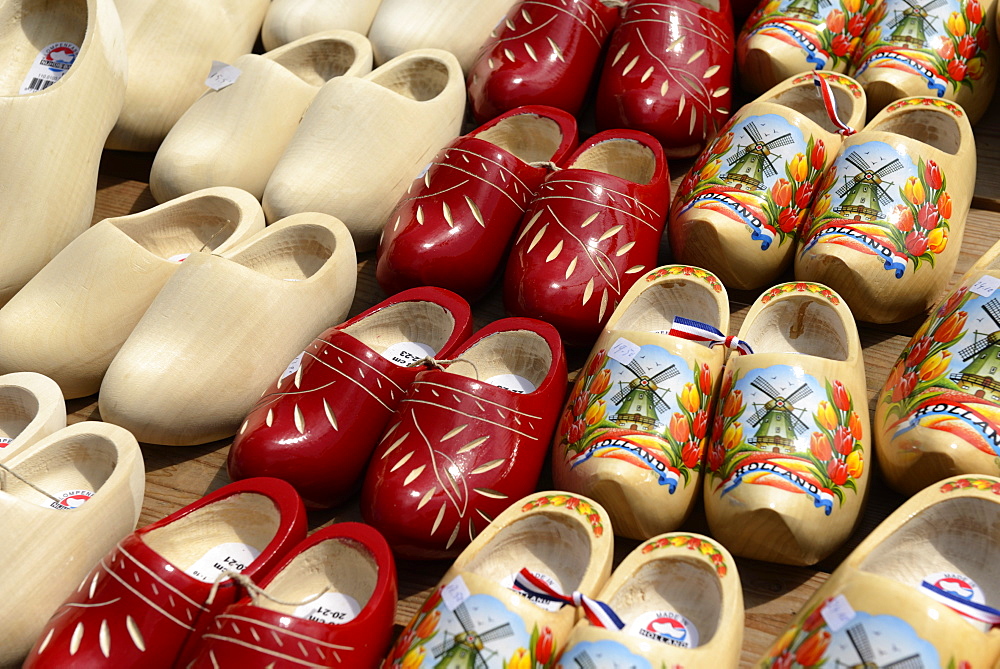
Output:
x=658 y=402
x=464 y=618
x=889 y=168
x=914 y=4
x=620 y=395
x=883 y=196
x=899 y=19
x=972 y=351
x=992 y=309
x=797 y=394
x=911 y=662
x=859 y=162
x=758 y=417
x=769 y=167
x=761 y=384
x=634 y=367
x=784 y=140
x=443 y=647
x=584 y=661
x=933 y=4
x=859 y=639
x=798 y=427
x=499 y=632
x=929 y=28
x=751 y=129
x=481 y=662
x=739 y=156
x=664 y=374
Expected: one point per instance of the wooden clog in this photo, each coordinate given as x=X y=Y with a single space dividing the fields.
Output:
x=64 y=502
x=939 y=47
x=345 y=578
x=234 y=136
x=467 y=440
x=363 y=138
x=782 y=38
x=475 y=611
x=543 y=53
x=290 y=20
x=48 y=195
x=938 y=414
x=31 y=408
x=457 y=26
x=669 y=73
x=593 y=229
x=635 y=427
x=680 y=599
x=171 y=46
x=150 y=598
x=224 y=326
x=317 y=425
x=917 y=592
x=69 y=321
x=739 y=209
x=888 y=217
x=790 y=456
x=455 y=223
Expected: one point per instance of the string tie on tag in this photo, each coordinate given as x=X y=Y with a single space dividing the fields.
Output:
x=692 y=330
x=598 y=613
x=434 y=363
x=547 y=164
x=255 y=590
x=830 y=102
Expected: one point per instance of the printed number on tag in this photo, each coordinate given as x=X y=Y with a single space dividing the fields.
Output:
x=837 y=613
x=623 y=351
x=455 y=593
x=985 y=285
x=222 y=75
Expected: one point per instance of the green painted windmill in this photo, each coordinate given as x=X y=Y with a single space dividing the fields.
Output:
x=776 y=421
x=806 y=8
x=639 y=400
x=911 y=26
x=467 y=650
x=864 y=196
x=980 y=376
x=752 y=162
x=859 y=640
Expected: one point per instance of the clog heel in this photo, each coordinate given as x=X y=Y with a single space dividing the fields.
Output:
x=31 y=408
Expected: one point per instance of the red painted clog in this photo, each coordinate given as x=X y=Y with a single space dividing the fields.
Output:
x=543 y=53
x=593 y=230
x=148 y=601
x=467 y=440
x=669 y=72
x=454 y=225
x=345 y=580
x=316 y=426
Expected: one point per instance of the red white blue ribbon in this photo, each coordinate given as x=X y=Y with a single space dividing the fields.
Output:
x=598 y=613
x=692 y=330
x=966 y=607
x=830 y=102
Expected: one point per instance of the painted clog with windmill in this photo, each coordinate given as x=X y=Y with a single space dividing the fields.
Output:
x=938 y=414
x=921 y=591
x=888 y=218
x=739 y=209
x=789 y=458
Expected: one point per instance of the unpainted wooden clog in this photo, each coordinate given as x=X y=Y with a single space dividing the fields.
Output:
x=289 y=20
x=31 y=408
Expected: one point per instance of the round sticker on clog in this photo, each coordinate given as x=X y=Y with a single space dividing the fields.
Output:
x=957 y=585
x=51 y=64
x=4 y=441
x=508 y=582
x=334 y=608
x=406 y=353
x=512 y=382
x=71 y=499
x=178 y=257
x=666 y=627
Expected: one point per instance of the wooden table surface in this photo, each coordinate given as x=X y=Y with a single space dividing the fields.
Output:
x=176 y=476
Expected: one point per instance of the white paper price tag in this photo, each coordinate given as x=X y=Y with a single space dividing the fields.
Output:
x=985 y=285
x=623 y=351
x=837 y=613
x=222 y=75
x=455 y=593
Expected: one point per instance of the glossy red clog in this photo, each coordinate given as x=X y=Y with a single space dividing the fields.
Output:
x=316 y=426
x=543 y=53
x=148 y=601
x=454 y=225
x=345 y=580
x=593 y=229
x=467 y=440
x=669 y=73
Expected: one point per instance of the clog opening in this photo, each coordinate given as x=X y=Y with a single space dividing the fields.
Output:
x=805 y=100
x=542 y=542
x=624 y=158
x=936 y=128
x=319 y=61
x=29 y=27
x=530 y=137
x=799 y=324
x=18 y=407
x=79 y=464
x=959 y=536
x=420 y=78
x=196 y=225
x=245 y=518
x=654 y=309
x=294 y=253
x=422 y=322
x=678 y=585
x=341 y=566
x=519 y=352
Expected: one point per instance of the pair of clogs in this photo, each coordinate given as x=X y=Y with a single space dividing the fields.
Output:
x=895 y=49
x=877 y=214
x=230 y=580
x=455 y=424
x=533 y=590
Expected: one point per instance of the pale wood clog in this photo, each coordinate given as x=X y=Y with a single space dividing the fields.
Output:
x=64 y=502
x=636 y=425
x=223 y=327
x=938 y=413
x=917 y=592
x=289 y=20
x=888 y=218
x=234 y=136
x=363 y=139
x=171 y=46
x=790 y=454
x=31 y=408
x=69 y=321
x=739 y=210
x=680 y=599
x=48 y=195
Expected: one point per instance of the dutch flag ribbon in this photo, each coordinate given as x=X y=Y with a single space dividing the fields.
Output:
x=692 y=330
x=830 y=102
x=598 y=613
x=967 y=608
